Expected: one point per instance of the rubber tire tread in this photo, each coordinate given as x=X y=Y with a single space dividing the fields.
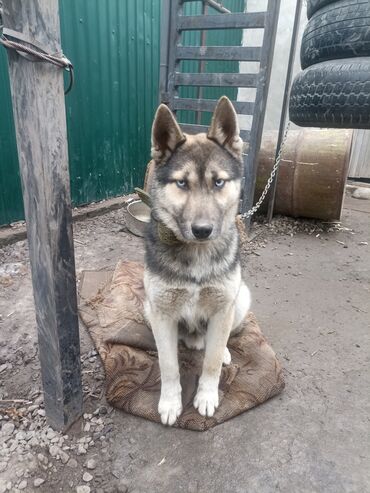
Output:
x=340 y=30
x=333 y=94
x=315 y=5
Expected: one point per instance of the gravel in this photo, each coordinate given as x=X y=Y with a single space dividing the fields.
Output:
x=83 y=489
x=91 y=464
x=87 y=477
x=38 y=482
x=29 y=447
x=7 y=429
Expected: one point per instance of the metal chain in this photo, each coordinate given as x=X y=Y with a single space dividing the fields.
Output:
x=34 y=54
x=255 y=208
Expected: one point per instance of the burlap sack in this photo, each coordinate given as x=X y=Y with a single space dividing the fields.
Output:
x=111 y=307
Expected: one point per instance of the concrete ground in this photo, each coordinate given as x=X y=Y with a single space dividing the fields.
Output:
x=311 y=293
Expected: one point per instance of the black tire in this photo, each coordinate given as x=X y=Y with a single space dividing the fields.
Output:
x=340 y=30
x=315 y=5
x=333 y=94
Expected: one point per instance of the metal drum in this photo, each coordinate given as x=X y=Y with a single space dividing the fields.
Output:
x=312 y=175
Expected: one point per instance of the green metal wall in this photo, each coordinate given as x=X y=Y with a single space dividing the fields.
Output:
x=114 y=45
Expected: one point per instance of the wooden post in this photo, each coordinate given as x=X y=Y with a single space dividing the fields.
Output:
x=40 y=122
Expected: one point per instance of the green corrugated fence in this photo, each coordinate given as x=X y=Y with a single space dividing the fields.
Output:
x=114 y=46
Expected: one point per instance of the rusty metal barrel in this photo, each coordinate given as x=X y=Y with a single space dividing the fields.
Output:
x=312 y=175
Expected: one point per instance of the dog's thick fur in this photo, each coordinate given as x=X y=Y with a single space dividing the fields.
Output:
x=193 y=285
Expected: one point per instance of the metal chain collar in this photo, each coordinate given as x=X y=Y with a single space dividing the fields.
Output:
x=255 y=208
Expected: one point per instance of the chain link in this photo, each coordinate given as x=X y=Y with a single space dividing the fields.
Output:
x=255 y=208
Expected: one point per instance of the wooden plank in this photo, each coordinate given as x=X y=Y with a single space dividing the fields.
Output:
x=241 y=107
x=218 y=80
x=240 y=20
x=196 y=129
x=241 y=53
x=39 y=114
x=176 y=8
x=164 y=43
x=360 y=155
x=212 y=3
x=193 y=129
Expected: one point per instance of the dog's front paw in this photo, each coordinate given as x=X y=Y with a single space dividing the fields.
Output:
x=170 y=408
x=206 y=401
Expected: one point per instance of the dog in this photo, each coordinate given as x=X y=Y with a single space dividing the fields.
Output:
x=192 y=276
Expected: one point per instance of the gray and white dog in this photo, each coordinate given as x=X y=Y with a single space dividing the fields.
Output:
x=193 y=285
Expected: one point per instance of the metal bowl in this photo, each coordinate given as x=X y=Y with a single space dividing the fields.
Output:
x=137 y=217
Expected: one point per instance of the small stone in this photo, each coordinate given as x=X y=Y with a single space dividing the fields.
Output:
x=3 y=485
x=91 y=464
x=3 y=466
x=72 y=463
x=50 y=434
x=81 y=450
x=9 y=485
x=87 y=427
x=41 y=458
x=39 y=400
x=20 y=435
x=13 y=446
x=53 y=450
x=83 y=489
x=41 y=412
x=38 y=482
x=361 y=193
x=22 y=485
x=34 y=442
x=87 y=477
x=64 y=457
x=131 y=440
x=7 y=429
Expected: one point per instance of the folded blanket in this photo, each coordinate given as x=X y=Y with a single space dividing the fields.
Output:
x=111 y=308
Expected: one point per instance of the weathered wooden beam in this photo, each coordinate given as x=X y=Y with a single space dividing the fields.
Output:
x=218 y=80
x=193 y=129
x=212 y=3
x=241 y=107
x=39 y=114
x=241 y=53
x=196 y=129
x=240 y=20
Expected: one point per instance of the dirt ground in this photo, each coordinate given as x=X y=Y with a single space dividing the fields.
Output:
x=311 y=293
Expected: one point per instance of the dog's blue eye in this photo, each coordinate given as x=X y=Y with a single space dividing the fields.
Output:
x=219 y=183
x=181 y=183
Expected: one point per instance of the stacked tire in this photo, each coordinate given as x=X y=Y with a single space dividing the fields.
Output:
x=333 y=90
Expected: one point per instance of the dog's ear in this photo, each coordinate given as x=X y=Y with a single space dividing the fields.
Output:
x=225 y=128
x=166 y=134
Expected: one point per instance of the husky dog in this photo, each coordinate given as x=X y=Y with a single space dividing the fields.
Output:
x=194 y=291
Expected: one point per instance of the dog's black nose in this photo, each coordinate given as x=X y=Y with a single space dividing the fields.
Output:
x=201 y=231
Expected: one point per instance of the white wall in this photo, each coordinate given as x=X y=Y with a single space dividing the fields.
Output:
x=280 y=61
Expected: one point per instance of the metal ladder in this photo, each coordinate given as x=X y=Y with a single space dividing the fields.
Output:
x=172 y=53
